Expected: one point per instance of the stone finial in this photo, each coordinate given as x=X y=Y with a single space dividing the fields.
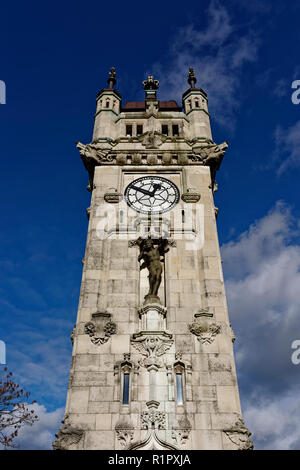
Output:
x=111 y=78
x=192 y=78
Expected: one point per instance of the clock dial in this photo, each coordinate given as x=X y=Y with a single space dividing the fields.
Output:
x=151 y=194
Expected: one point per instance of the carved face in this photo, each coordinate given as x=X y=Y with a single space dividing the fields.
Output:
x=152 y=194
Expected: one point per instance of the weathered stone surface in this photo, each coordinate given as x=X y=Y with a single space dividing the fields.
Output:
x=175 y=357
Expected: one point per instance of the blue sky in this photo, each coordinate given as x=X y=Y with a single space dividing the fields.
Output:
x=55 y=57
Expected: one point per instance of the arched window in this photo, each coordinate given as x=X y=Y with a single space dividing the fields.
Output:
x=179 y=371
x=126 y=368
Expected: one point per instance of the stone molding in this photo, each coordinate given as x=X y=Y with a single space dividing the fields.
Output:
x=191 y=196
x=113 y=197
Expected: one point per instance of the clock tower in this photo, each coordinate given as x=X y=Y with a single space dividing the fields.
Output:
x=152 y=364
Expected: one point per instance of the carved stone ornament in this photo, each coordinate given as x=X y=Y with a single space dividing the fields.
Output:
x=153 y=418
x=204 y=330
x=98 y=330
x=124 y=431
x=240 y=435
x=191 y=196
x=181 y=431
x=152 y=346
x=113 y=197
x=67 y=436
x=152 y=140
x=72 y=335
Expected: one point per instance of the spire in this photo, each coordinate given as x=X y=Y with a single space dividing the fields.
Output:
x=192 y=78
x=150 y=87
x=111 y=78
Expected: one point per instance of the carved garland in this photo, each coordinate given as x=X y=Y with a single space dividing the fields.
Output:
x=109 y=329
x=205 y=333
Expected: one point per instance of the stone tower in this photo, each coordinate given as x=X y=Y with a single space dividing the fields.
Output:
x=152 y=364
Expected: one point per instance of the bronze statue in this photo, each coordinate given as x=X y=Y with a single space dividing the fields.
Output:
x=152 y=257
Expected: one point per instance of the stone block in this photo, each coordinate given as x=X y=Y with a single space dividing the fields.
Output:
x=120 y=344
x=202 y=421
x=103 y=421
x=87 y=362
x=227 y=399
x=95 y=440
x=79 y=397
x=101 y=393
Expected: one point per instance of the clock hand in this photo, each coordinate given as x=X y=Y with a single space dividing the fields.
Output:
x=141 y=190
x=155 y=188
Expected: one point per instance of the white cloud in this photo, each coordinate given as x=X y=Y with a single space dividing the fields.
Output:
x=41 y=434
x=218 y=52
x=288 y=147
x=276 y=422
x=262 y=272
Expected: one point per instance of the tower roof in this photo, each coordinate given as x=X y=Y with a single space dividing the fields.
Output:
x=141 y=106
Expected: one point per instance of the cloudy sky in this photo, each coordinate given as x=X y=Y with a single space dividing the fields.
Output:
x=54 y=59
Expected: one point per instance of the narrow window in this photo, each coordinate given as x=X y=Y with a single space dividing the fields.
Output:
x=175 y=130
x=125 y=389
x=179 y=389
x=129 y=129
x=139 y=129
x=107 y=104
x=164 y=129
x=183 y=216
x=196 y=103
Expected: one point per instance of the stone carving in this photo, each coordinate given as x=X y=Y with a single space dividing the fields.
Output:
x=67 y=436
x=93 y=156
x=152 y=257
x=72 y=335
x=93 y=328
x=191 y=196
x=153 y=418
x=124 y=431
x=113 y=197
x=239 y=435
x=152 y=346
x=152 y=139
x=212 y=156
x=181 y=431
x=205 y=332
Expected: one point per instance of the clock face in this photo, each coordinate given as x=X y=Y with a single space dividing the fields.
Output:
x=151 y=194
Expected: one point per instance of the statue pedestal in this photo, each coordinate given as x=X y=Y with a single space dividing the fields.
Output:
x=153 y=317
